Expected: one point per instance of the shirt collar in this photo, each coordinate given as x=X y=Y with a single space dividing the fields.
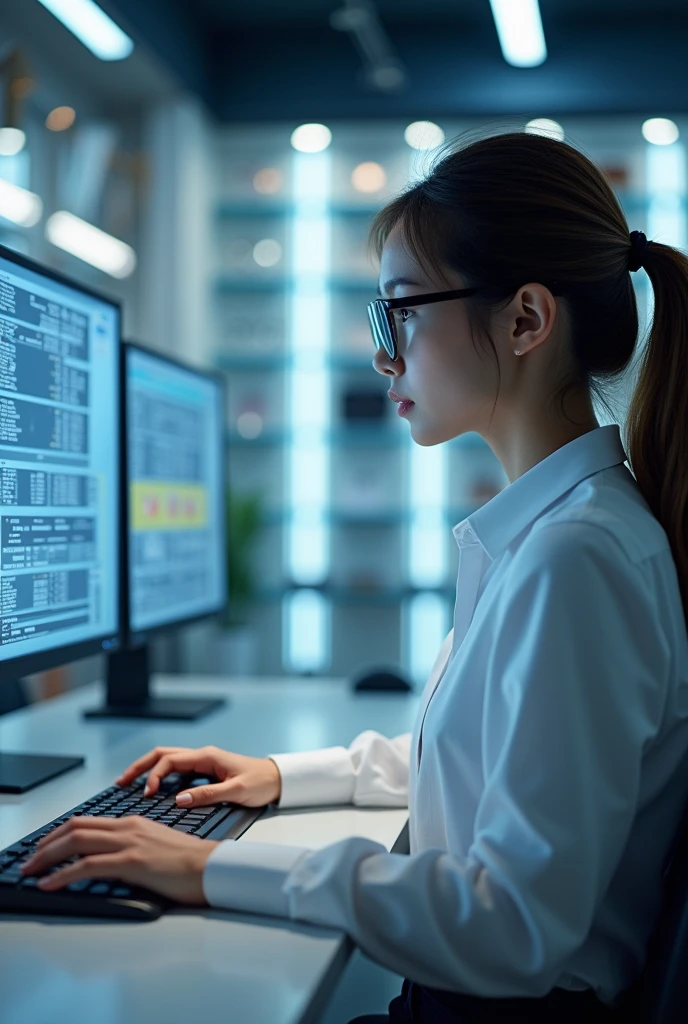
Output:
x=502 y=518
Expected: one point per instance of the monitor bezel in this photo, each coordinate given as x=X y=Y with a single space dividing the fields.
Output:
x=136 y=638
x=55 y=657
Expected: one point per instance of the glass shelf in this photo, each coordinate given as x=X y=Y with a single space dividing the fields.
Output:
x=353 y=437
x=231 y=209
x=235 y=284
x=281 y=361
x=362 y=596
x=372 y=520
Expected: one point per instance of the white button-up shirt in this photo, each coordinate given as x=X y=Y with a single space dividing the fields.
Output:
x=547 y=771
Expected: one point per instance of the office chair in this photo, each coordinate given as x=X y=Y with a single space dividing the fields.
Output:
x=660 y=993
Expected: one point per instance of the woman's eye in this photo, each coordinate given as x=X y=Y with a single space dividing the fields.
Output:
x=403 y=314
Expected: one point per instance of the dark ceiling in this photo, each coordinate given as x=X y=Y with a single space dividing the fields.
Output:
x=281 y=59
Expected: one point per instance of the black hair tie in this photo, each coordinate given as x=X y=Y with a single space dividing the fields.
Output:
x=637 y=254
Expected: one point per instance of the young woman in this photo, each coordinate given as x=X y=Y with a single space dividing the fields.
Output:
x=544 y=776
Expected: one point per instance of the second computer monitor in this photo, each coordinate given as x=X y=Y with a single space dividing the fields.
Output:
x=175 y=569
x=176 y=501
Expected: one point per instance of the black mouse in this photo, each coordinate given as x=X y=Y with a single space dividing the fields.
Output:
x=381 y=680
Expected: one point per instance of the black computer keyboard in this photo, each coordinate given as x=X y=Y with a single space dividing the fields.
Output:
x=107 y=897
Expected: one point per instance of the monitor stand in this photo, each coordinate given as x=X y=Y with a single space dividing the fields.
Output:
x=128 y=692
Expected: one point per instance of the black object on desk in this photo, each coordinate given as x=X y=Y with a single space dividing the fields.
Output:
x=381 y=680
x=21 y=772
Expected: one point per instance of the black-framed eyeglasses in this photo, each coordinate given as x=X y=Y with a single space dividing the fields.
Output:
x=382 y=322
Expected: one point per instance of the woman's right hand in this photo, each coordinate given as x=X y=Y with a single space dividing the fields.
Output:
x=252 y=781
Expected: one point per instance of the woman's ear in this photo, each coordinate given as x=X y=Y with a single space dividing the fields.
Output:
x=531 y=314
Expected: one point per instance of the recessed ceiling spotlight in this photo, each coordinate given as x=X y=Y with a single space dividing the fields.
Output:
x=660 y=131
x=267 y=252
x=12 y=141
x=368 y=177
x=249 y=424
x=267 y=181
x=545 y=126
x=424 y=135
x=311 y=138
x=61 y=118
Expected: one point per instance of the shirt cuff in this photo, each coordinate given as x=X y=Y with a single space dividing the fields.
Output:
x=317 y=777
x=249 y=876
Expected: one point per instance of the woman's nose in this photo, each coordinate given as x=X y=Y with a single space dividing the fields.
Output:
x=384 y=365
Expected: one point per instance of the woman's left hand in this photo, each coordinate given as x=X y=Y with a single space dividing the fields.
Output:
x=133 y=849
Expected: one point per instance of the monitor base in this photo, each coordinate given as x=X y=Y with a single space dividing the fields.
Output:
x=180 y=709
x=21 y=772
x=128 y=693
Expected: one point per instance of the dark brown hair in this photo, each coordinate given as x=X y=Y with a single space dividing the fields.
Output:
x=515 y=207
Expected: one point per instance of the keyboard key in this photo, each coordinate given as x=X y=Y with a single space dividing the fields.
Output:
x=17 y=849
x=79 y=886
x=122 y=891
x=184 y=828
x=100 y=888
x=11 y=876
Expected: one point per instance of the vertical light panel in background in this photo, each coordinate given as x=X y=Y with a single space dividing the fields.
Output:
x=425 y=623
x=426 y=616
x=307 y=625
x=307 y=611
x=666 y=188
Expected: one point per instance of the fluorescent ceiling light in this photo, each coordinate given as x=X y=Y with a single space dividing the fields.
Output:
x=90 y=244
x=19 y=205
x=12 y=141
x=92 y=26
x=519 y=27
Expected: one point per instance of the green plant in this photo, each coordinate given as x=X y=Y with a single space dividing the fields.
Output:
x=243 y=519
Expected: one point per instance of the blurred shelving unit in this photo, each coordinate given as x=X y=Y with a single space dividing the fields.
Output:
x=255 y=210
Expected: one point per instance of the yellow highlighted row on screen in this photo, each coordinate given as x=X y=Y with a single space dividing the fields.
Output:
x=156 y=505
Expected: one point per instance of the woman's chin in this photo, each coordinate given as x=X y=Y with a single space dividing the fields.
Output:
x=426 y=436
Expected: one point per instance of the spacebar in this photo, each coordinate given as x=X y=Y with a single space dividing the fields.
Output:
x=212 y=821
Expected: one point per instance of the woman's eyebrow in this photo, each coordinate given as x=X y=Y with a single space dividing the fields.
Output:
x=394 y=282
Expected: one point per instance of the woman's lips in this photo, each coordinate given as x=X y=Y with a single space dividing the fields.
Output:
x=405 y=404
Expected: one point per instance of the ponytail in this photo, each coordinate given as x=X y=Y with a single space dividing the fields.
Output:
x=657 y=424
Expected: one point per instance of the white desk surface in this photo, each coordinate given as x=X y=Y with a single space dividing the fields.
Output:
x=190 y=964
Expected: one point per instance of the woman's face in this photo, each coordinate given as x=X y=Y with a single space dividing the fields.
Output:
x=451 y=381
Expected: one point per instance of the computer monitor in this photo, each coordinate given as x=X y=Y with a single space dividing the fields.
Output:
x=59 y=478
x=175 y=563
